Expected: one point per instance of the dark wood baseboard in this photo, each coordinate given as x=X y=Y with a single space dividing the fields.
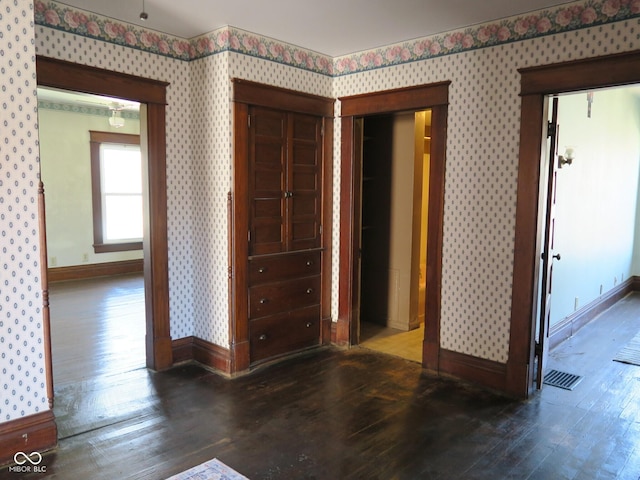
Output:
x=326 y=331
x=81 y=272
x=473 y=369
x=340 y=333
x=35 y=433
x=206 y=353
x=574 y=322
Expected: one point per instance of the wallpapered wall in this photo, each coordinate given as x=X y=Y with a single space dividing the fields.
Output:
x=75 y=48
x=22 y=367
x=480 y=178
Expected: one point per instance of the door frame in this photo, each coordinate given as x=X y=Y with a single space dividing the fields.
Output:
x=536 y=84
x=436 y=98
x=80 y=78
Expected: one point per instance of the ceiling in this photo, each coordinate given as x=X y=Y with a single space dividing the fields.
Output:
x=330 y=27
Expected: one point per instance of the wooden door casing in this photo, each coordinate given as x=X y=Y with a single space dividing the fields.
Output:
x=537 y=82
x=436 y=98
x=70 y=76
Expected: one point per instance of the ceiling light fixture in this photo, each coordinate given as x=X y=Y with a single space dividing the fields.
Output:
x=143 y=14
x=116 y=119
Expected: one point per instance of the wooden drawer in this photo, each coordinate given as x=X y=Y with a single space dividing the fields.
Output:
x=271 y=268
x=283 y=333
x=278 y=297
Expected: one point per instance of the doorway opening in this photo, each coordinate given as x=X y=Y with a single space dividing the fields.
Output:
x=395 y=156
x=536 y=84
x=432 y=97
x=591 y=259
x=91 y=171
x=72 y=77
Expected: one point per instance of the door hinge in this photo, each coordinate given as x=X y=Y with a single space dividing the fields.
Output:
x=249 y=121
x=249 y=236
x=551 y=129
x=322 y=130
x=320 y=229
x=538 y=349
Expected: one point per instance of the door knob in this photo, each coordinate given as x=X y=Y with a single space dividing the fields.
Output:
x=557 y=256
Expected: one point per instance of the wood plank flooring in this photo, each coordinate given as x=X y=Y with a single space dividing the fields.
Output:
x=359 y=414
x=97 y=345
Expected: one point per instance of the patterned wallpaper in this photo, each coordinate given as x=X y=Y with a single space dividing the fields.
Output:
x=22 y=374
x=481 y=172
x=71 y=47
x=210 y=136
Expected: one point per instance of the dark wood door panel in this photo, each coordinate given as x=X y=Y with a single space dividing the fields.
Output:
x=305 y=153
x=304 y=127
x=268 y=122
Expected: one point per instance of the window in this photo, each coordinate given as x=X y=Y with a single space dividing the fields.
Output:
x=116 y=180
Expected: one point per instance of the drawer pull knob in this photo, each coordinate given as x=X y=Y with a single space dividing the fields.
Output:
x=309 y=263
x=262 y=270
x=264 y=300
x=309 y=291
x=262 y=337
x=309 y=324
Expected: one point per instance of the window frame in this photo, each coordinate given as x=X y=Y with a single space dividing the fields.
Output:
x=96 y=139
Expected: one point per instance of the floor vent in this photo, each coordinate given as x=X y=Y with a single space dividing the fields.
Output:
x=568 y=381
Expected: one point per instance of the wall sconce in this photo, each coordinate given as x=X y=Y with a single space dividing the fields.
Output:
x=567 y=158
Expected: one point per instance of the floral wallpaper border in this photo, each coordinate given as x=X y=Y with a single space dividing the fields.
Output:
x=563 y=18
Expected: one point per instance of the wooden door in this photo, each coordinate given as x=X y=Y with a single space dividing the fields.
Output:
x=548 y=256
x=267 y=181
x=304 y=178
x=285 y=174
x=376 y=219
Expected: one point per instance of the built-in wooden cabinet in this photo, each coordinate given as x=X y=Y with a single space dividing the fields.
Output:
x=285 y=181
x=280 y=255
x=284 y=303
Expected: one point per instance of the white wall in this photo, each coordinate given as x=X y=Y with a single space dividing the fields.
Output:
x=401 y=222
x=635 y=105
x=597 y=198
x=65 y=162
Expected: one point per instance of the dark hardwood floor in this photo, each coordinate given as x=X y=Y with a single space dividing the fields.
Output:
x=358 y=414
